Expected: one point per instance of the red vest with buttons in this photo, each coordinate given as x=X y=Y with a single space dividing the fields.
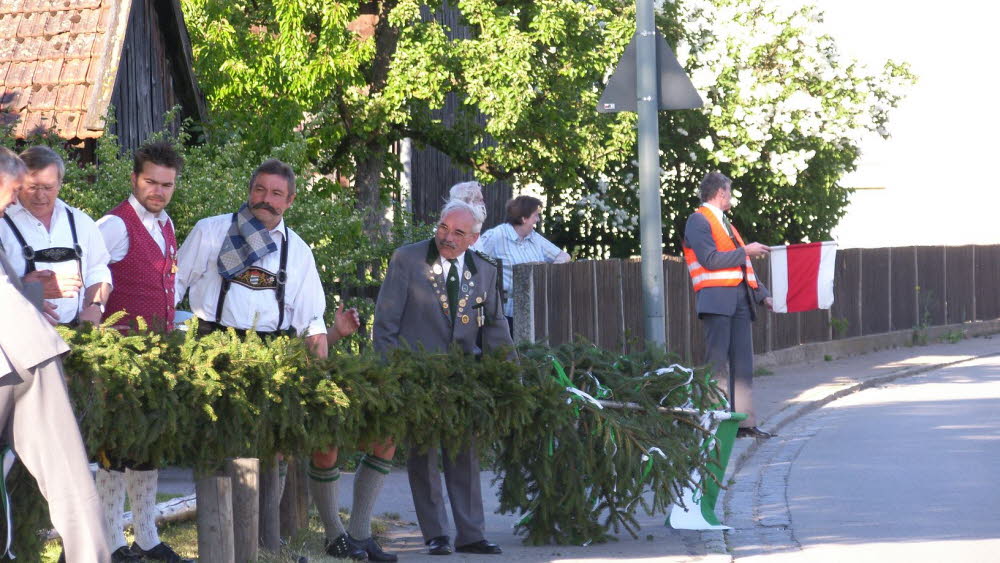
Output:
x=144 y=279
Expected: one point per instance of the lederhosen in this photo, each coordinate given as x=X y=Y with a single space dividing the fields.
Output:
x=257 y=279
x=51 y=255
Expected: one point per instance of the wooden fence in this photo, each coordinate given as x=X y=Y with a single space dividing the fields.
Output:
x=876 y=290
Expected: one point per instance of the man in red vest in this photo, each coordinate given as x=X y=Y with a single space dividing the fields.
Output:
x=726 y=294
x=140 y=239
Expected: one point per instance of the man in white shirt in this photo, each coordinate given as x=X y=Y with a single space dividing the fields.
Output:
x=49 y=241
x=249 y=271
x=140 y=240
x=36 y=418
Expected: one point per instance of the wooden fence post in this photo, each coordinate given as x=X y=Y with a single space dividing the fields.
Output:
x=243 y=474
x=268 y=518
x=215 y=520
x=295 y=500
x=523 y=292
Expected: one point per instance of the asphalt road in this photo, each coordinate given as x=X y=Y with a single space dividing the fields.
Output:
x=905 y=472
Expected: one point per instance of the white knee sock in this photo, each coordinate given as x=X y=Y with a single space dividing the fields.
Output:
x=323 y=488
x=142 y=495
x=111 y=491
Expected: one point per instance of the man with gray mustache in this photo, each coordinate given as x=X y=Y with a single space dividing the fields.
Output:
x=249 y=271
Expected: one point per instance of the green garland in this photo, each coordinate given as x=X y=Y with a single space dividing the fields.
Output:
x=577 y=471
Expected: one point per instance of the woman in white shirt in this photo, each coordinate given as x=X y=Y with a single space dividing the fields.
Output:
x=517 y=242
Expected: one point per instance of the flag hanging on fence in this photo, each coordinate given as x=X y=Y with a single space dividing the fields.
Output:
x=802 y=276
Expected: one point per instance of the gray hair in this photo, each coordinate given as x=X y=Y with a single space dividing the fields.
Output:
x=468 y=192
x=277 y=168
x=711 y=184
x=11 y=165
x=41 y=157
x=459 y=205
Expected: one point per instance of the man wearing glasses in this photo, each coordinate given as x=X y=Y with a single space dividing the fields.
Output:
x=57 y=245
x=436 y=292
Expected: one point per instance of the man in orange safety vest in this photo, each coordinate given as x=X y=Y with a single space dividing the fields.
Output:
x=726 y=294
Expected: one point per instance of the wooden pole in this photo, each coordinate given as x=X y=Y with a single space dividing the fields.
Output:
x=243 y=473
x=295 y=501
x=215 y=520
x=270 y=499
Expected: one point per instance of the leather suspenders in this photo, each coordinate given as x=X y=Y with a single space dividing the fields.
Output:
x=48 y=255
x=279 y=290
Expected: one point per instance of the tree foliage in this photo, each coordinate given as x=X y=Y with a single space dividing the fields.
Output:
x=579 y=469
x=784 y=116
x=358 y=76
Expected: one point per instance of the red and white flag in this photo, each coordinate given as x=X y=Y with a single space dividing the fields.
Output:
x=802 y=276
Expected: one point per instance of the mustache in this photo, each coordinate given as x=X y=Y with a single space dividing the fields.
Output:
x=265 y=205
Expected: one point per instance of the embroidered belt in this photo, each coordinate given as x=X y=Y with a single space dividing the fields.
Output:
x=256 y=278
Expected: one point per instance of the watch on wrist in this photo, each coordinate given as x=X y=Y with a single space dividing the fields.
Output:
x=99 y=305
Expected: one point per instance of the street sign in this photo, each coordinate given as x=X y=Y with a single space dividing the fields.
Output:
x=674 y=86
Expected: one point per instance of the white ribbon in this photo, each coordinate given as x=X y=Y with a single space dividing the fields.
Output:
x=583 y=395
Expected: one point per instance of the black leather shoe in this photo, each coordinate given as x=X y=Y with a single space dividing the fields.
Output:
x=124 y=555
x=754 y=432
x=373 y=549
x=439 y=546
x=160 y=552
x=344 y=548
x=482 y=547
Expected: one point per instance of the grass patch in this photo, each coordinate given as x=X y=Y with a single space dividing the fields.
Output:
x=183 y=537
x=759 y=372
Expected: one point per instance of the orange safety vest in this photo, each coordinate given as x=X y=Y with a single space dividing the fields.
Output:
x=702 y=277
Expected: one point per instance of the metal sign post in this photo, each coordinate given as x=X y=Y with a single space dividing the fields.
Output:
x=649 y=78
x=650 y=222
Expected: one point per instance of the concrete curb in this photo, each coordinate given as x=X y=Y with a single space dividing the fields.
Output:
x=859 y=345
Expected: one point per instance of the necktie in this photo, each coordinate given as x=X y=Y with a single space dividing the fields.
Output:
x=452 y=286
x=729 y=226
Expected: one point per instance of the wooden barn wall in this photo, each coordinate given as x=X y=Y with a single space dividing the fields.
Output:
x=144 y=89
x=433 y=171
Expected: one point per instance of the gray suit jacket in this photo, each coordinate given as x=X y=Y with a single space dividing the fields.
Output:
x=410 y=312
x=717 y=300
x=26 y=338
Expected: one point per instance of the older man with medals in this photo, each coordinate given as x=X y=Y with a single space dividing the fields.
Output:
x=140 y=239
x=437 y=292
x=60 y=246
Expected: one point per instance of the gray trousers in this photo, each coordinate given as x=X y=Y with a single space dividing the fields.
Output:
x=38 y=423
x=729 y=342
x=461 y=476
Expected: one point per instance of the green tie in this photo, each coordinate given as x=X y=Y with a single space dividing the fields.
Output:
x=729 y=226
x=452 y=286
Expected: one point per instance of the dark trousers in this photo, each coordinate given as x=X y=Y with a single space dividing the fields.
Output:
x=461 y=477
x=729 y=353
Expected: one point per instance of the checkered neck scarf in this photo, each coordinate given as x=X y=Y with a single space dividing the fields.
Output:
x=247 y=241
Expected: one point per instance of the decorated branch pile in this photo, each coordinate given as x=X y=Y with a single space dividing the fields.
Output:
x=574 y=467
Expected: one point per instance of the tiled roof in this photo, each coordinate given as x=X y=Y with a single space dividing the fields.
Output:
x=58 y=62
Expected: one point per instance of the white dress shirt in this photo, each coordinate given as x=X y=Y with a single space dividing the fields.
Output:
x=720 y=215
x=95 y=255
x=246 y=308
x=446 y=265
x=116 y=234
x=504 y=243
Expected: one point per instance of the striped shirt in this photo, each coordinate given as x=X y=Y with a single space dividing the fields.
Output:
x=504 y=243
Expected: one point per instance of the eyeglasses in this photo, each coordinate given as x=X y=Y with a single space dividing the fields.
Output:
x=443 y=231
